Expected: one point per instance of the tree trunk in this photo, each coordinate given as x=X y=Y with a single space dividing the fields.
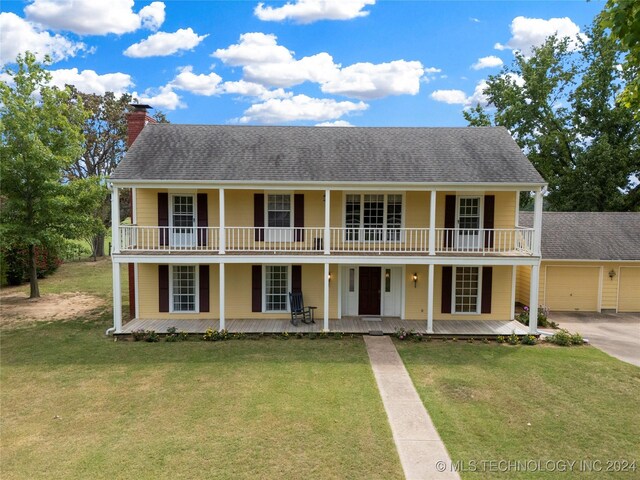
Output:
x=98 y=246
x=33 y=273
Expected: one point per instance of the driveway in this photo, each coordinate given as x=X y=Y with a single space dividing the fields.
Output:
x=617 y=334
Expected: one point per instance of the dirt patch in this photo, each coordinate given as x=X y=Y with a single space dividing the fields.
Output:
x=16 y=308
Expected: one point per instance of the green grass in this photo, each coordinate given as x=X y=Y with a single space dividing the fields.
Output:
x=581 y=403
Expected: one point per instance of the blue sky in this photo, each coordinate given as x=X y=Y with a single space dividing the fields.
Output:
x=357 y=62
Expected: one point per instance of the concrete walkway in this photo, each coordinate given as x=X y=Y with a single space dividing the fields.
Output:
x=420 y=448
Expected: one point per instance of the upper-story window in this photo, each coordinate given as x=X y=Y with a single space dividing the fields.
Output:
x=373 y=217
x=279 y=210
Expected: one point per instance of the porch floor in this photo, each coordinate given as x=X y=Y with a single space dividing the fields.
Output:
x=347 y=325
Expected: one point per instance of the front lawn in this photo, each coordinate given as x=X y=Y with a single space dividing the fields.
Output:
x=78 y=405
x=497 y=402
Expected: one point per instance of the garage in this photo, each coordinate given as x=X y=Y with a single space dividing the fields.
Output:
x=629 y=290
x=572 y=288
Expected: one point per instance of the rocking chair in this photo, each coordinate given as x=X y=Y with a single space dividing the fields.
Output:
x=298 y=310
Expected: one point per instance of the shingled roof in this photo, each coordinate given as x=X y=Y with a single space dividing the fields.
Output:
x=326 y=154
x=588 y=235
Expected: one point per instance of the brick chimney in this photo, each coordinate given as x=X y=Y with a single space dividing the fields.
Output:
x=136 y=120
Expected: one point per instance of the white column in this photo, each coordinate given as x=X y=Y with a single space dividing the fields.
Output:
x=221 y=295
x=117 y=297
x=115 y=219
x=221 y=235
x=327 y=223
x=533 y=299
x=325 y=325
x=430 y=298
x=432 y=223
x=537 y=223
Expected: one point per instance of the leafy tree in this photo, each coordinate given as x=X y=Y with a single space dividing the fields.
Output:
x=41 y=135
x=559 y=104
x=623 y=18
x=105 y=132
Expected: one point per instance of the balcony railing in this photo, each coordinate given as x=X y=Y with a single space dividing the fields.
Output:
x=515 y=241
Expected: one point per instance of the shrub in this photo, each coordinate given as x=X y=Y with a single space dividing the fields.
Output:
x=15 y=263
x=312 y=335
x=239 y=336
x=513 y=339
x=529 y=340
x=171 y=337
x=151 y=336
x=418 y=337
x=323 y=335
x=469 y=340
x=576 y=339
x=543 y=317
x=138 y=335
x=211 y=335
x=284 y=335
x=338 y=335
x=501 y=339
x=562 y=338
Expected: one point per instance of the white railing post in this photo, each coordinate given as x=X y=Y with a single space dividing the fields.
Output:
x=221 y=235
x=117 y=297
x=115 y=219
x=221 y=278
x=430 y=298
x=533 y=299
x=537 y=223
x=432 y=223
x=327 y=222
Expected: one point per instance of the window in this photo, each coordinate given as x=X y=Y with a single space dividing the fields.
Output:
x=467 y=289
x=183 y=288
x=373 y=217
x=469 y=213
x=279 y=211
x=352 y=280
x=387 y=280
x=276 y=287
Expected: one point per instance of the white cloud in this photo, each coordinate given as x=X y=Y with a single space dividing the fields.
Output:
x=452 y=97
x=309 y=11
x=162 y=44
x=369 y=81
x=318 y=68
x=249 y=89
x=298 y=108
x=487 y=62
x=163 y=97
x=199 y=84
x=474 y=19
x=337 y=123
x=95 y=17
x=18 y=35
x=254 y=48
x=88 y=81
x=527 y=33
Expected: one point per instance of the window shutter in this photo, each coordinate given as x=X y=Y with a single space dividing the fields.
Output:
x=163 y=287
x=487 y=280
x=203 y=278
x=258 y=216
x=298 y=216
x=256 y=288
x=449 y=219
x=489 y=215
x=296 y=278
x=447 y=281
x=203 y=219
x=163 y=217
x=132 y=290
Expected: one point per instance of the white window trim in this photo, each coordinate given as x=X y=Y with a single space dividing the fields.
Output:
x=264 y=288
x=453 y=291
x=480 y=208
x=266 y=208
x=386 y=197
x=197 y=289
x=195 y=207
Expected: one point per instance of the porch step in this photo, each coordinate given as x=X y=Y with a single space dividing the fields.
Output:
x=376 y=333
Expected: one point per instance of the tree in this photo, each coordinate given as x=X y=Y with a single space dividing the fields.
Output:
x=559 y=105
x=105 y=132
x=622 y=17
x=41 y=133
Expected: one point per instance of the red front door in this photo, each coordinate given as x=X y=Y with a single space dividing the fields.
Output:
x=369 y=291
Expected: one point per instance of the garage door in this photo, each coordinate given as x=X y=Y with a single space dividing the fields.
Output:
x=572 y=288
x=629 y=294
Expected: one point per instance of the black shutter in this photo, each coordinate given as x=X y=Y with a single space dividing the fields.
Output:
x=449 y=219
x=163 y=288
x=296 y=278
x=487 y=281
x=258 y=216
x=447 y=282
x=298 y=216
x=489 y=215
x=163 y=217
x=204 y=288
x=256 y=288
x=203 y=219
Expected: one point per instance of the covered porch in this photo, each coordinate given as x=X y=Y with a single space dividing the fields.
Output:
x=356 y=325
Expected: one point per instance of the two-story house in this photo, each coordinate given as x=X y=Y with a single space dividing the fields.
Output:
x=414 y=224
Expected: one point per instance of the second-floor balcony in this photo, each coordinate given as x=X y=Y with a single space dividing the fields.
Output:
x=330 y=241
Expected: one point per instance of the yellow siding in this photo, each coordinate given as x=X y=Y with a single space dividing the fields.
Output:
x=416 y=297
x=417 y=209
x=147 y=206
x=500 y=297
x=629 y=289
x=523 y=284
